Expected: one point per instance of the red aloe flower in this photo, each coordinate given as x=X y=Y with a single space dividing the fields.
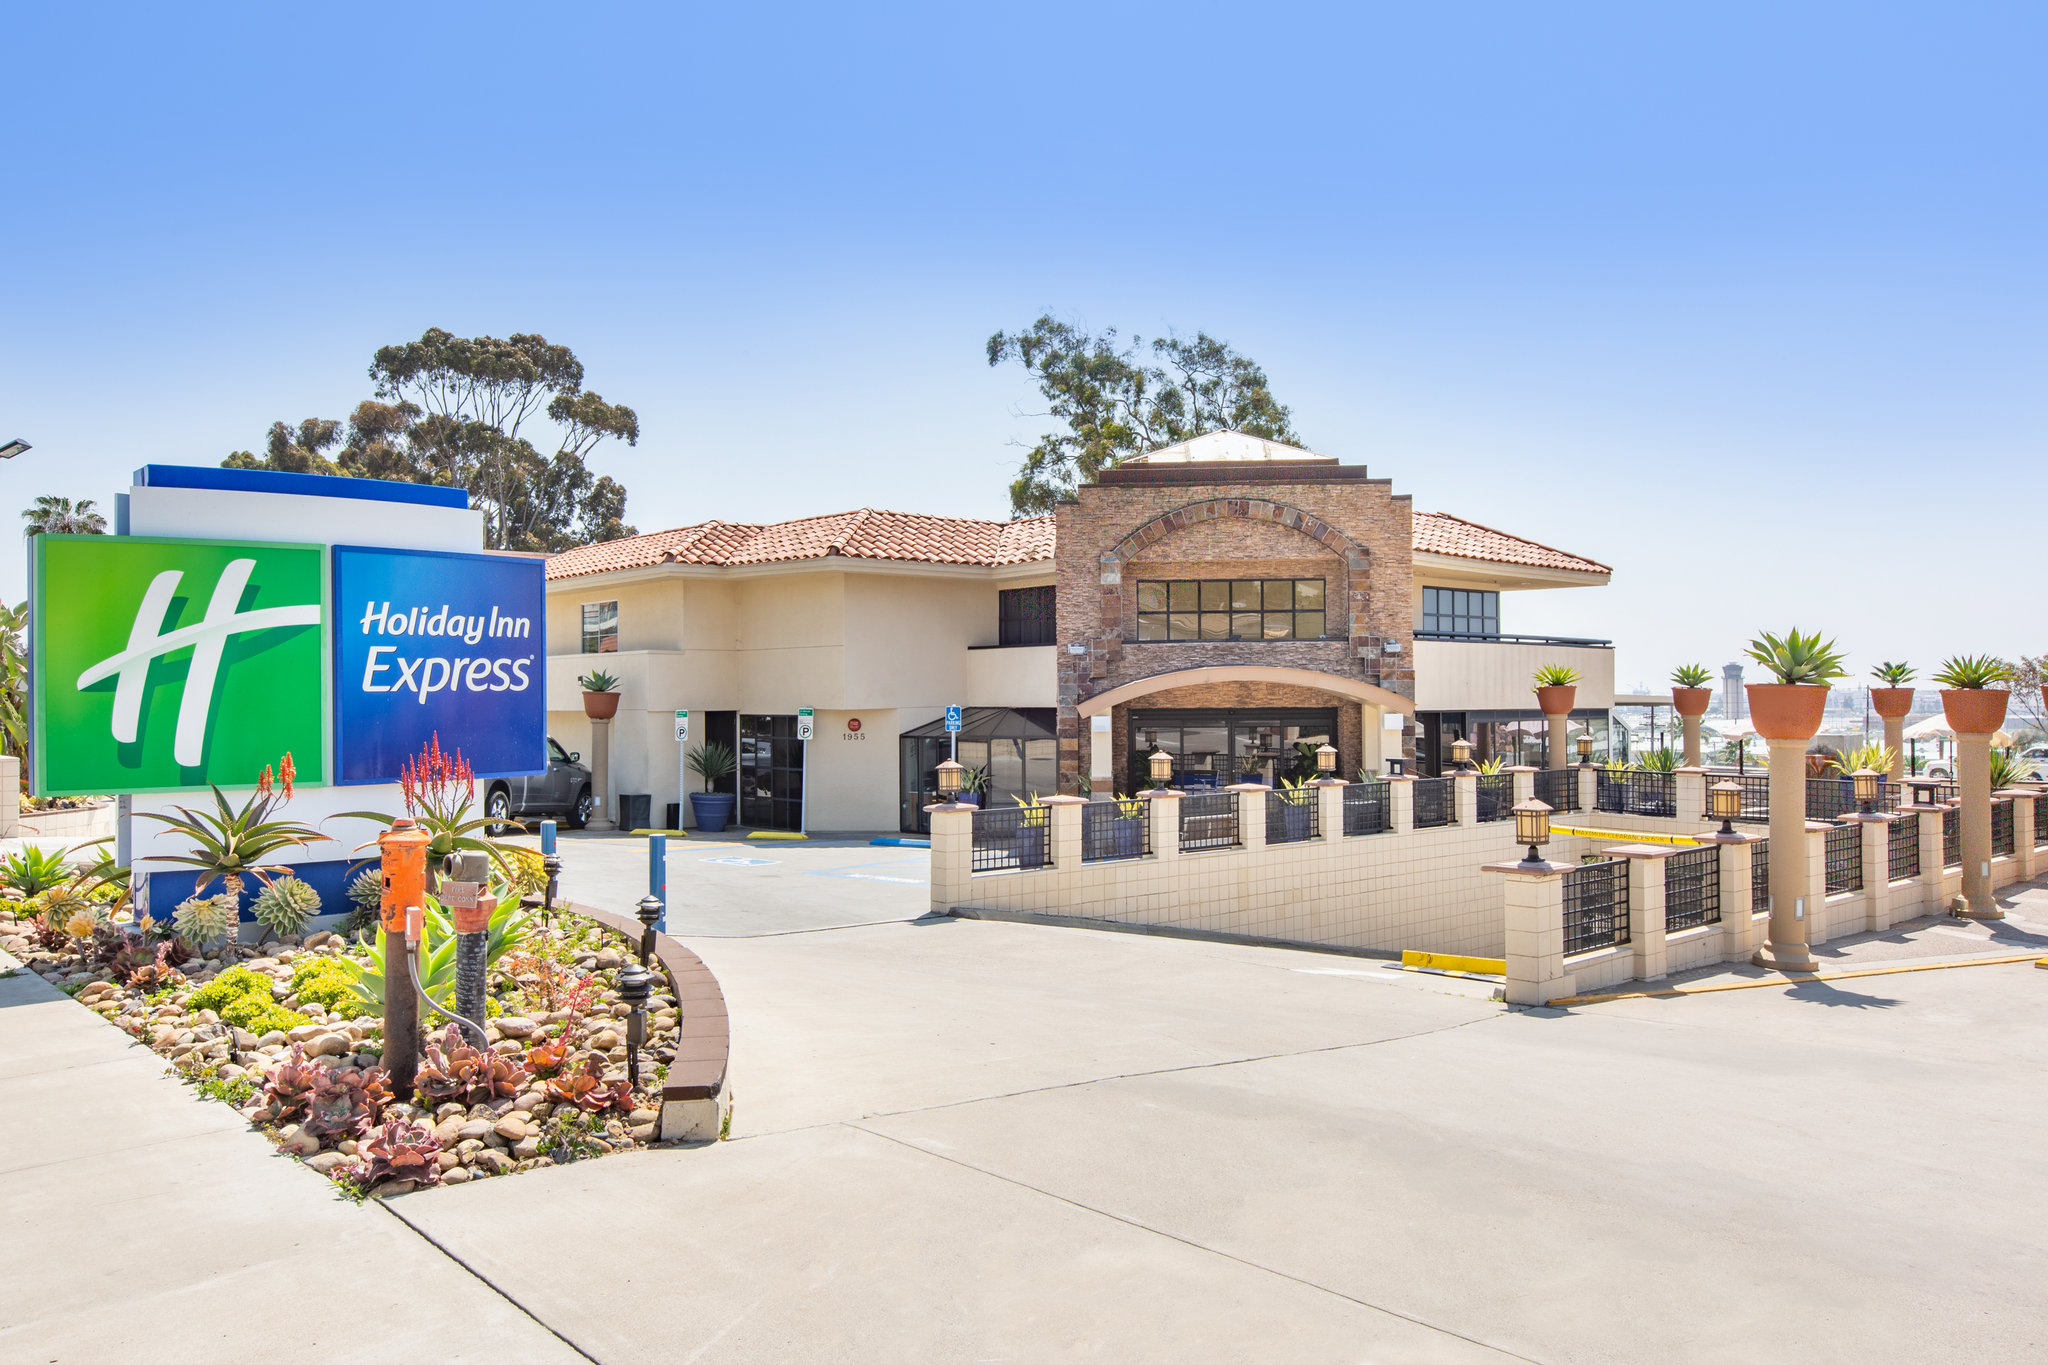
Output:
x=263 y=782
x=288 y=771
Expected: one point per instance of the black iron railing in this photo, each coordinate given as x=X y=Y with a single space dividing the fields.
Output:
x=1479 y=638
x=2001 y=829
x=1012 y=840
x=1951 y=837
x=1365 y=809
x=1293 y=814
x=2040 y=821
x=1760 y=875
x=1435 y=802
x=1756 y=795
x=1902 y=849
x=1596 y=906
x=1828 y=798
x=1558 y=788
x=1692 y=888
x=1496 y=797
x=1637 y=793
x=1208 y=820
x=1115 y=829
x=1844 y=844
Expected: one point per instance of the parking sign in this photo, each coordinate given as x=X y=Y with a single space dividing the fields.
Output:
x=952 y=720
x=806 y=721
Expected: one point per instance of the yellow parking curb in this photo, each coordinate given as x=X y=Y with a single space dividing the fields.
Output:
x=1452 y=962
x=783 y=836
x=1626 y=836
x=1797 y=979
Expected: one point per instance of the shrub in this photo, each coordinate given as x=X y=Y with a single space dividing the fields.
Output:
x=324 y=981
x=34 y=871
x=1659 y=761
x=284 y=906
x=242 y=999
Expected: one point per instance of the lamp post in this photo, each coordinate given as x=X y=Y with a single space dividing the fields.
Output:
x=15 y=447
x=1586 y=750
x=950 y=773
x=1395 y=765
x=648 y=913
x=1159 y=767
x=1326 y=762
x=1461 y=753
x=1867 y=784
x=1532 y=827
x=636 y=983
x=1724 y=803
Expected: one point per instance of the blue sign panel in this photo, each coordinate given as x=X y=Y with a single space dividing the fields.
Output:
x=952 y=720
x=428 y=643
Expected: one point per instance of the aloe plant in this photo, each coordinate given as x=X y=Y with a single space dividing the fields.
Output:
x=228 y=842
x=599 y=681
x=1557 y=675
x=1799 y=660
x=1876 y=757
x=1691 y=675
x=1972 y=672
x=34 y=871
x=438 y=788
x=2008 y=768
x=1659 y=761
x=509 y=925
x=1894 y=675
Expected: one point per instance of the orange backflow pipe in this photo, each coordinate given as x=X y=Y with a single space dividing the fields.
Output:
x=404 y=850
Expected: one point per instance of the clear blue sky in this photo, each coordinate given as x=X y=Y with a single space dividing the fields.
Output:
x=1746 y=301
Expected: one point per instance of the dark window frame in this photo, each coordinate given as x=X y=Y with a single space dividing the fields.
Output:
x=1027 y=616
x=1461 y=611
x=603 y=629
x=1218 y=609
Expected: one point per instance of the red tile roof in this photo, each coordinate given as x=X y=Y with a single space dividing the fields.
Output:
x=1440 y=533
x=865 y=534
x=904 y=536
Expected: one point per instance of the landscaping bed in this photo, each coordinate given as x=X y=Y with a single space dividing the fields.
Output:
x=282 y=1032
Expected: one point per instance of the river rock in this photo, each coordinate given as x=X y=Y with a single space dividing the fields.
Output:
x=325 y=1162
x=512 y=1127
x=455 y=1176
x=326 y=1045
x=607 y=959
x=527 y=1147
x=512 y=1026
x=605 y=1041
x=320 y=939
x=304 y=1032
x=496 y=1162
x=473 y=1130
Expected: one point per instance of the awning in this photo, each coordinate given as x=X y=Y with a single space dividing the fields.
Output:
x=995 y=722
x=1936 y=727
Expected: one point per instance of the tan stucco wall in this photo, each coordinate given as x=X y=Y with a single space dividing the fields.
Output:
x=1460 y=675
x=1021 y=676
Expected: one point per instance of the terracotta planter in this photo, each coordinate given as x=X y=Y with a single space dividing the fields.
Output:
x=1893 y=703
x=1556 y=701
x=1691 y=701
x=1786 y=710
x=1974 y=710
x=600 y=705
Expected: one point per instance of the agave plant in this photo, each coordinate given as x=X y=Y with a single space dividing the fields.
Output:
x=599 y=681
x=1691 y=675
x=1876 y=757
x=228 y=842
x=2009 y=769
x=284 y=906
x=1972 y=672
x=509 y=926
x=35 y=870
x=1894 y=675
x=1489 y=766
x=1557 y=675
x=713 y=762
x=1803 y=660
x=398 y=1150
x=439 y=789
x=207 y=921
x=589 y=1091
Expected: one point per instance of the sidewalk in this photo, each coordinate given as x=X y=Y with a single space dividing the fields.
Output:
x=161 y=1230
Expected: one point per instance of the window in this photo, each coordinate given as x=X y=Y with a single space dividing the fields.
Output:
x=600 y=627
x=1027 y=615
x=1231 y=609
x=1460 y=611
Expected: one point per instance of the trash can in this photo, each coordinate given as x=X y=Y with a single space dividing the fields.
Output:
x=675 y=816
x=634 y=811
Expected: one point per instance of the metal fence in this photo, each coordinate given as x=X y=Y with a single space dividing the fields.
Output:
x=2040 y=820
x=2001 y=829
x=1115 y=829
x=1558 y=788
x=1756 y=795
x=1692 y=888
x=1951 y=838
x=1208 y=820
x=1902 y=849
x=1017 y=839
x=1760 y=875
x=1365 y=809
x=1293 y=814
x=1435 y=802
x=1637 y=793
x=1596 y=906
x=1496 y=797
x=1828 y=798
x=1844 y=844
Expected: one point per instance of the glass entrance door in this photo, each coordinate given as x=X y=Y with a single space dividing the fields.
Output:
x=771 y=773
x=1217 y=748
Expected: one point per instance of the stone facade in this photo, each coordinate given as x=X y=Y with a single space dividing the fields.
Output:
x=1281 y=519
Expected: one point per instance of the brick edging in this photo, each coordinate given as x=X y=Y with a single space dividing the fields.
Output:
x=704 y=1036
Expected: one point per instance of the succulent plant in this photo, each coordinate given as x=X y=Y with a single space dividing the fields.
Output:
x=455 y=1071
x=1893 y=675
x=2009 y=769
x=284 y=906
x=34 y=870
x=207 y=920
x=398 y=1150
x=599 y=681
x=548 y=1058
x=1876 y=757
x=366 y=895
x=290 y=1088
x=1658 y=761
x=588 y=1090
x=1556 y=675
x=154 y=975
x=1798 y=659
x=1691 y=675
x=1973 y=671
x=344 y=1103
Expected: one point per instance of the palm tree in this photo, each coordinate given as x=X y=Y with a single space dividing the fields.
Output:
x=61 y=517
x=13 y=682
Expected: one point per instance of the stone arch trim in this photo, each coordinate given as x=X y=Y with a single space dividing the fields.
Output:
x=1334 y=683
x=1252 y=509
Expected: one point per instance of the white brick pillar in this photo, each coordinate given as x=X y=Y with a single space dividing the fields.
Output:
x=1691 y=788
x=1811 y=906
x=1589 y=787
x=1645 y=904
x=1251 y=813
x=1877 y=880
x=1330 y=806
x=1066 y=831
x=1524 y=778
x=1738 y=937
x=1401 y=804
x=1165 y=816
x=1465 y=797
x=1532 y=897
x=952 y=854
x=2023 y=832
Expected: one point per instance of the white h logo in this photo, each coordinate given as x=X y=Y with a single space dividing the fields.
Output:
x=208 y=637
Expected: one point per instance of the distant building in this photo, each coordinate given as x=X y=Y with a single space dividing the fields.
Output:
x=1734 y=701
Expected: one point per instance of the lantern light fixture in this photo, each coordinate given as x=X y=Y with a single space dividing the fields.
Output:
x=1461 y=753
x=1395 y=765
x=1160 y=765
x=1867 y=786
x=950 y=773
x=1326 y=760
x=1586 y=748
x=1724 y=803
x=1532 y=827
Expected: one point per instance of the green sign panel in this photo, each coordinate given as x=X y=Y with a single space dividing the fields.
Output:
x=167 y=664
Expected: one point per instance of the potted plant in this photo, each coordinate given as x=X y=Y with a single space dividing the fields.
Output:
x=600 y=695
x=714 y=763
x=1803 y=665
x=1689 y=691
x=1973 y=706
x=973 y=786
x=1895 y=698
x=1557 y=689
x=1127 y=828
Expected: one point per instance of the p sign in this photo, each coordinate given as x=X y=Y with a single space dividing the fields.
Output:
x=682 y=727
x=806 y=722
x=163 y=665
